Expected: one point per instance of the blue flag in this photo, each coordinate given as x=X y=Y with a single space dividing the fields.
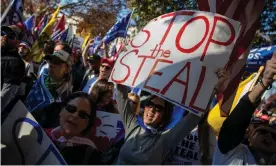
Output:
x=29 y=23
x=13 y=14
x=96 y=44
x=119 y=29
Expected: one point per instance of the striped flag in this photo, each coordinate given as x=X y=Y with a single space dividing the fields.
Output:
x=247 y=12
x=43 y=22
x=60 y=26
x=44 y=35
x=62 y=36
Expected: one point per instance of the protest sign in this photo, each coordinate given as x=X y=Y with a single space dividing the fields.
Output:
x=107 y=127
x=77 y=42
x=176 y=55
x=186 y=151
x=258 y=57
x=23 y=141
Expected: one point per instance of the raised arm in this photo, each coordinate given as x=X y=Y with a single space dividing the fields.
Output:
x=234 y=127
x=105 y=51
x=125 y=109
x=85 y=52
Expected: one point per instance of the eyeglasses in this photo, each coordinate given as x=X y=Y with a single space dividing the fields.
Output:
x=157 y=107
x=263 y=132
x=10 y=36
x=72 y=109
x=106 y=67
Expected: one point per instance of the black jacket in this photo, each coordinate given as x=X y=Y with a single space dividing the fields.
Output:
x=12 y=68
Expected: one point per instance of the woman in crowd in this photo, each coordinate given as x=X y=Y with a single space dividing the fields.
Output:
x=76 y=118
x=261 y=134
x=134 y=100
x=102 y=94
x=149 y=144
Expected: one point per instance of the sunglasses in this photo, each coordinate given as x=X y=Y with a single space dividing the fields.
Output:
x=72 y=109
x=9 y=35
x=157 y=107
x=106 y=67
x=263 y=132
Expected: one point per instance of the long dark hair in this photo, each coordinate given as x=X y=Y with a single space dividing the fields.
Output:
x=92 y=117
x=99 y=90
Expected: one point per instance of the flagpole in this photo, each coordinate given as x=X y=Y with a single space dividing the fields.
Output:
x=3 y=16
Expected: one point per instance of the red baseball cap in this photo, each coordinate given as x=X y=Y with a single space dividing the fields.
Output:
x=110 y=62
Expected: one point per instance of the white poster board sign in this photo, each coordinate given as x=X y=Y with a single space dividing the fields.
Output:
x=23 y=141
x=175 y=56
x=77 y=41
x=106 y=128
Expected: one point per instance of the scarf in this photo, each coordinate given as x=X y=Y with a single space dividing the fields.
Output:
x=56 y=136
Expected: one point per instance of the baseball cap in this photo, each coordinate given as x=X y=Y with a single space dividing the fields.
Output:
x=26 y=45
x=61 y=56
x=110 y=62
x=93 y=58
x=13 y=29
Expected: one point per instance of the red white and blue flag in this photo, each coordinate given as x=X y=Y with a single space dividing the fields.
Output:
x=247 y=12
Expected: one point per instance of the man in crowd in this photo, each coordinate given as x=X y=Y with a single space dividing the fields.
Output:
x=104 y=73
x=59 y=46
x=24 y=51
x=12 y=66
x=48 y=49
x=94 y=62
x=54 y=84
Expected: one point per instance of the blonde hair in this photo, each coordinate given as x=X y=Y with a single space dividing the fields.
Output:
x=137 y=99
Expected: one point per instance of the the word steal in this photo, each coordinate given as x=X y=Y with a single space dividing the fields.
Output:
x=176 y=55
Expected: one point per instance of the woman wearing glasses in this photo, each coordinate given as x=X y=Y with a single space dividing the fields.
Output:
x=76 y=118
x=149 y=143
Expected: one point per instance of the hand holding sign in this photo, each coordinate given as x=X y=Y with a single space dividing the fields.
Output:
x=176 y=56
x=269 y=74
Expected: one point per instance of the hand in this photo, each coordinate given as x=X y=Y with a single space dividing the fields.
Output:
x=123 y=48
x=222 y=75
x=91 y=41
x=102 y=46
x=270 y=71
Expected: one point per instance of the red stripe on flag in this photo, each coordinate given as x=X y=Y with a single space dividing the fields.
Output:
x=203 y=5
x=247 y=12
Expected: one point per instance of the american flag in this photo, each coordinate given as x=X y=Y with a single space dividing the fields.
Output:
x=60 y=26
x=62 y=36
x=119 y=29
x=247 y=12
x=43 y=22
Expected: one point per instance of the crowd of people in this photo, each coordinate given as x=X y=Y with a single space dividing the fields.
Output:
x=65 y=91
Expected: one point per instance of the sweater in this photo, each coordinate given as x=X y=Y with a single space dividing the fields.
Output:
x=144 y=147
